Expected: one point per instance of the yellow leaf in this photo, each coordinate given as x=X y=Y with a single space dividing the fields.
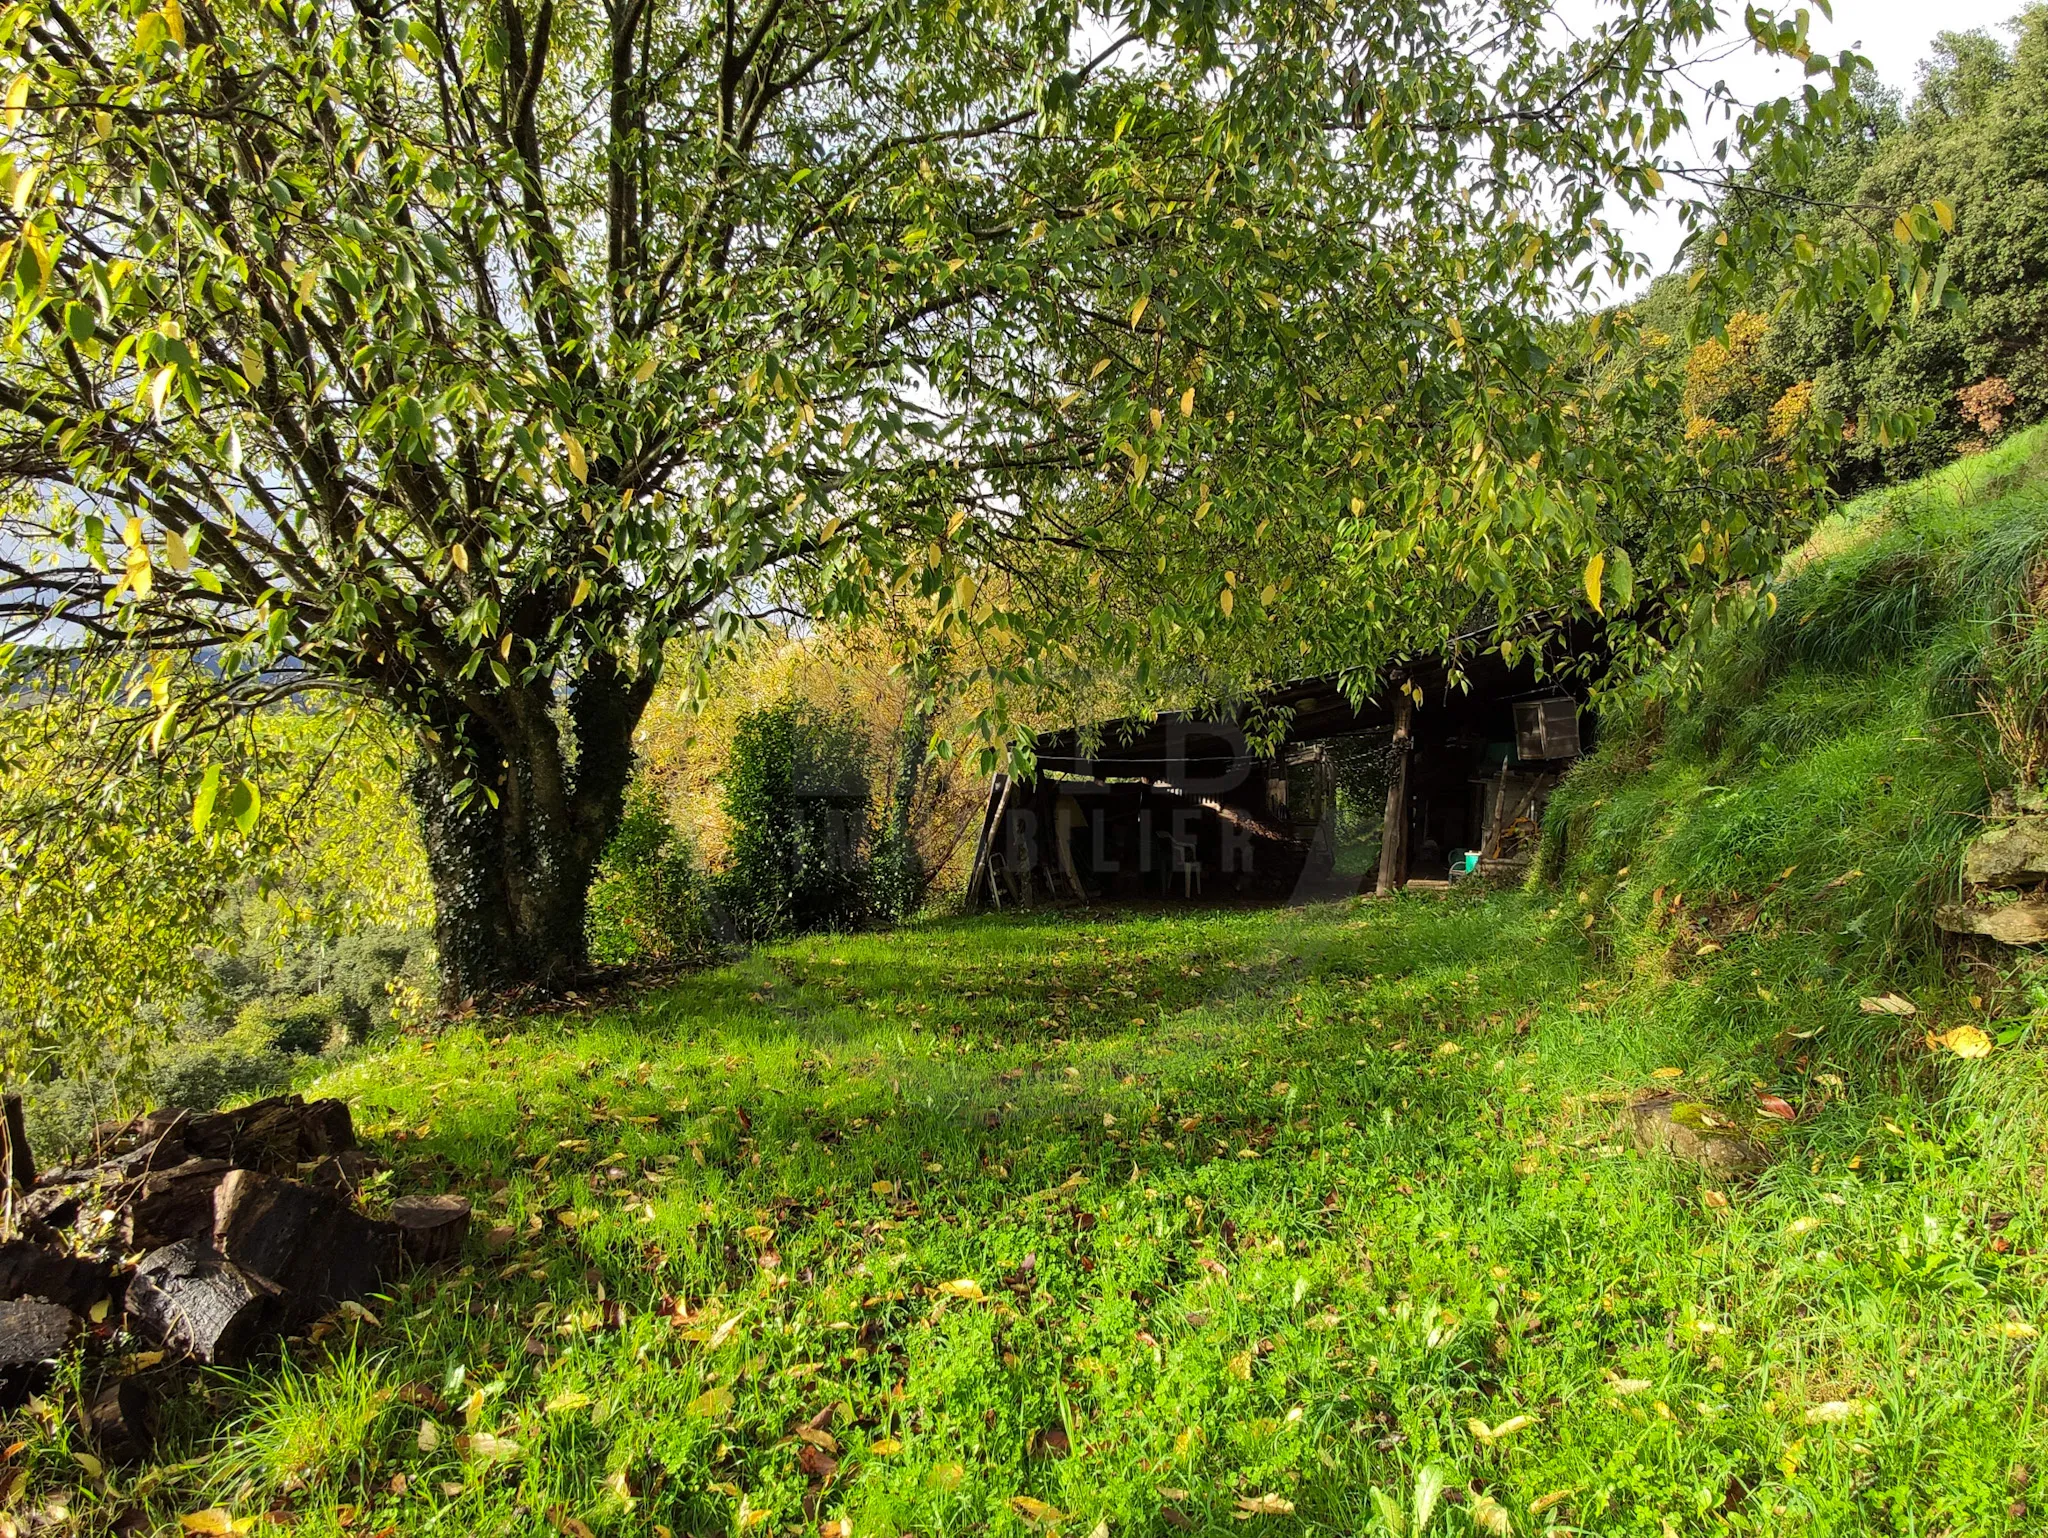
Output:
x=98 y=1313
x=1038 y=1512
x=429 y=1438
x=567 y=1401
x=483 y=1444
x=307 y=278
x=1187 y=401
x=883 y=1188
x=2017 y=1329
x=1945 y=217
x=582 y=591
x=1963 y=1041
x=1627 y=1385
x=174 y=22
x=1138 y=309
x=176 y=551
x=965 y=1288
x=1267 y=1505
x=1543 y=1503
x=1492 y=1434
x=1888 y=1004
x=24 y=184
x=1799 y=1228
x=1654 y=178
x=1489 y=1516
x=1100 y=365
x=578 y=465
x=645 y=371
x=1834 y=1412
x=1226 y=601
x=94 y=1469
x=17 y=101
x=1668 y=1073
x=160 y=386
x=1594 y=569
x=505 y=646
x=885 y=1447
x=1240 y=1366
x=211 y=1520
x=1714 y=1199
x=713 y=1404
x=459 y=554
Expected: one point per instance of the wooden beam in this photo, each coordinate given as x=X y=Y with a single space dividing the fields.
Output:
x=991 y=822
x=1394 y=838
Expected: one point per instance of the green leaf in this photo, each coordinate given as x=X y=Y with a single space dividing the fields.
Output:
x=202 y=803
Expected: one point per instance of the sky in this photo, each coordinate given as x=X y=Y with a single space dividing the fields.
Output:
x=1895 y=35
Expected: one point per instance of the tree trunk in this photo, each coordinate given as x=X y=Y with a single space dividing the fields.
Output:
x=511 y=877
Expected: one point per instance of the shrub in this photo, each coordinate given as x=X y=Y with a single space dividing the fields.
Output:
x=796 y=796
x=645 y=904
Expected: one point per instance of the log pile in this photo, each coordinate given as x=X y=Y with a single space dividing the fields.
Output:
x=205 y=1235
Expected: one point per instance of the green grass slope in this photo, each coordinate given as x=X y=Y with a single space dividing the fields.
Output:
x=1174 y=1224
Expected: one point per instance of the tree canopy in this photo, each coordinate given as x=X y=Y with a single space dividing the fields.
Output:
x=475 y=360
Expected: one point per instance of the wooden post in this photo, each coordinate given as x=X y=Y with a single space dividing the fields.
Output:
x=20 y=1159
x=1394 y=840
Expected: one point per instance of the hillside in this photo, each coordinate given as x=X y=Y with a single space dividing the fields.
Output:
x=1321 y=1220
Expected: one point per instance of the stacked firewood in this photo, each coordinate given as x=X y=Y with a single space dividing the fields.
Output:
x=207 y=1235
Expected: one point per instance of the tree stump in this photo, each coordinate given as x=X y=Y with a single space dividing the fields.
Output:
x=192 y=1299
x=317 y=1250
x=432 y=1228
x=325 y=1128
x=123 y=1421
x=32 y=1336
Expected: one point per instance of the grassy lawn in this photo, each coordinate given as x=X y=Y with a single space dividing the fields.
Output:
x=1252 y=1221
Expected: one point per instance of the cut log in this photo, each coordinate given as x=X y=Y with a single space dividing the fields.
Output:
x=265 y=1135
x=20 y=1164
x=342 y=1173
x=325 y=1128
x=53 y=1207
x=319 y=1251
x=189 y=1298
x=31 y=1271
x=432 y=1228
x=123 y=1421
x=177 y=1204
x=32 y=1336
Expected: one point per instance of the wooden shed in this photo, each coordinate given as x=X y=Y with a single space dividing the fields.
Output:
x=1424 y=780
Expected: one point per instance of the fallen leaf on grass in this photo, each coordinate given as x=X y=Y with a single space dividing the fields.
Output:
x=1888 y=1004
x=966 y=1288
x=2017 y=1329
x=1668 y=1073
x=492 y=1448
x=1267 y=1505
x=1799 y=1228
x=1963 y=1041
x=214 y=1519
x=1543 y=1503
x=1489 y=1516
x=1715 y=1198
x=1240 y=1366
x=573 y=1527
x=1037 y=1512
x=1492 y=1434
x=430 y=1437
x=1622 y=1385
x=713 y=1404
x=885 y=1447
x=1834 y=1412
x=568 y=1401
x=1772 y=1106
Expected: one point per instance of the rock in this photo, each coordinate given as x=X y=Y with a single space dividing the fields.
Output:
x=32 y=1336
x=1663 y=1123
x=317 y=1250
x=2012 y=856
x=190 y=1298
x=32 y=1271
x=163 y=1208
x=2020 y=923
x=432 y=1228
x=123 y=1421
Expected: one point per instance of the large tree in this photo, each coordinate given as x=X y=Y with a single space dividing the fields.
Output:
x=474 y=359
